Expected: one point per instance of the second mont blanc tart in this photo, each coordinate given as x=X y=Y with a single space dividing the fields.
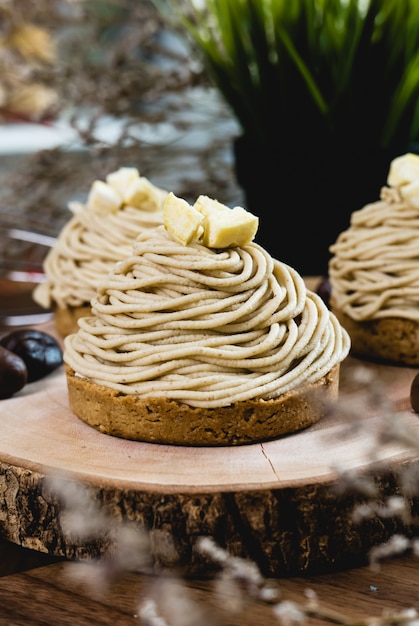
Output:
x=200 y=337
x=374 y=271
x=99 y=233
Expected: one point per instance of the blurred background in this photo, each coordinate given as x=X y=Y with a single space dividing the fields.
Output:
x=293 y=110
x=85 y=87
x=88 y=85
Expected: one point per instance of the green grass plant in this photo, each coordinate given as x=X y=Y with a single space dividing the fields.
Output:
x=339 y=71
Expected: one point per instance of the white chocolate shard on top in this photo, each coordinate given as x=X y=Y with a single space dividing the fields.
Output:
x=142 y=194
x=124 y=187
x=122 y=178
x=410 y=193
x=403 y=170
x=103 y=198
x=404 y=176
x=182 y=220
x=210 y=222
x=226 y=227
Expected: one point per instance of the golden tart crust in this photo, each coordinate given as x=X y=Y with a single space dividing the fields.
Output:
x=165 y=421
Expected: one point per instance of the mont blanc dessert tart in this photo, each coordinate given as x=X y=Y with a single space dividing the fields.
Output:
x=374 y=271
x=199 y=337
x=99 y=233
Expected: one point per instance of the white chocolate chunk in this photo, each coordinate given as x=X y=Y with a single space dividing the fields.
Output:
x=75 y=207
x=225 y=227
x=410 y=193
x=182 y=220
x=103 y=198
x=403 y=170
x=142 y=194
x=122 y=178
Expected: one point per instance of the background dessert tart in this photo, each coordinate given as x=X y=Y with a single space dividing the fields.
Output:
x=99 y=233
x=374 y=271
x=200 y=337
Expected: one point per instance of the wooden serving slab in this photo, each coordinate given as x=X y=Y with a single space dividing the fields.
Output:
x=277 y=502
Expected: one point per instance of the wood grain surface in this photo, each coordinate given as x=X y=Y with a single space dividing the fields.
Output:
x=52 y=595
x=39 y=432
x=274 y=502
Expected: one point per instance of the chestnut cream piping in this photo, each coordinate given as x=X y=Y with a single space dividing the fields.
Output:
x=204 y=327
x=86 y=249
x=374 y=270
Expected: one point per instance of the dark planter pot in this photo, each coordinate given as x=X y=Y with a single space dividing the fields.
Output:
x=305 y=199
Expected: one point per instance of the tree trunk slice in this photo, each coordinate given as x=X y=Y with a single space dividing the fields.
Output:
x=275 y=502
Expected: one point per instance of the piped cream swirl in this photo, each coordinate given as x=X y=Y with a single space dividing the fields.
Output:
x=85 y=251
x=88 y=246
x=205 y=327
x=374 y=269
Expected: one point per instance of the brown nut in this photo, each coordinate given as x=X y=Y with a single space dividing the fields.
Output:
x=324 y=291
x=40 y=352
x=414 y=394
x=13 y=373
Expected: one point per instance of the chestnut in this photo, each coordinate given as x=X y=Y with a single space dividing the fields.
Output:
x=40 y=352
x=13 y=373
x=414 y=393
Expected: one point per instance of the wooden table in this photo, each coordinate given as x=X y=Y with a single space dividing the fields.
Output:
x=48 y=595
x=274 y=502
x=38 y=588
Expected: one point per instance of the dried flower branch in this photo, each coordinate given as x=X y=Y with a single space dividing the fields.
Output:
x=111 y=62
x=391 y=427
x=240 y=583
x=83 y=520
x=115 y=56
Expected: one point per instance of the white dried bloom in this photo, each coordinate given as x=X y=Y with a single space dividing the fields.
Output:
x=149 y=615
x=350 y=480
x=208 y=547
x=240 y=582
x=361 y=512
x=409 y=614
x=396 y=429
x=245 y=571
x=229 y=594
x=362 y=376
x=288 y=613
x=80 y=515
x=87 y=574
x=173 y=604
x=405 y=617
x=269 y=594
x=312 y=597
x=396 y=506
x=415 y=547
x=132 y=548
x=396 y=545
x=82 y=518
x=409 y=480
